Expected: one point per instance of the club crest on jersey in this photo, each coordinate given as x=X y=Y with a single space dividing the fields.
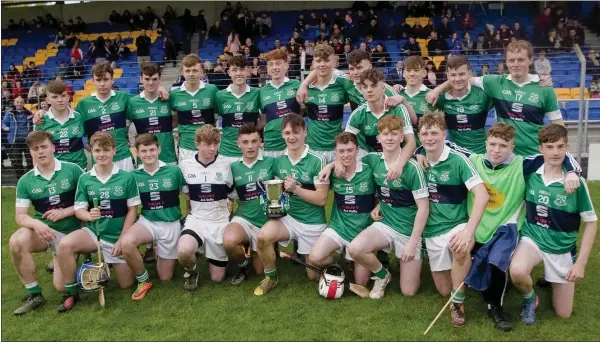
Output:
x=363 y=186
x=167 y=182
x=115 y=106
x=118 y=191
x=445 y=176
x=561 y=200
x=423 y=107
x=250 y=106
x=397 y=182
x=335 y=97
x=164 y=110
x=534 y=98
x=262 y=174
x=219 y=176
x=64 y=184
x=206 y=102
x=290 y=92
x=305 y=176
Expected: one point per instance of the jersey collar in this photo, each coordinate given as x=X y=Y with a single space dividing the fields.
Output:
x=57 y=167
x=112 y=93
x=183 y=88
x=285 y=80
x=50 y=115
x=359 y=168
x=304 y=154
x=258 y=157
x=331 y=81
x=449 y=96
x=500 y=166
x=114 y=171
x=387 y=167
x=143 y=96
x=549 y=182
x=443 y=156
x=422 y=88
x=531 y=79
x=160 y=164
x=378 y=115
x=229 y=90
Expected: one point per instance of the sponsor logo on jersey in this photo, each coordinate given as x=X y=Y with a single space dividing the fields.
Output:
x=363 y=186
x=475 y=107
x=65 y=184
x=115 y=106
x=337 y=186
x=219 y=176
x=118 y=191
x=167 y=182
x=237 y=178
x=517 y=107
x=445 y=176
x=561 y=200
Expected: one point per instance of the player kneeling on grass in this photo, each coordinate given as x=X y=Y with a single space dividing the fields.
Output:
x=159 y=185
x=354 y=197
x=401 y=214
x=117 y=194
x=240 y=236
x=550 y=231
x=209 y=182
x=50 y=187
x=449 y=230
x=299 y=166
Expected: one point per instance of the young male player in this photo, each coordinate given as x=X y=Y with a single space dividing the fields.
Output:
x=450 y=177
x=249 y=173
x=401 y=214
x=65 y=125
x=159 y=185
x=194 y=104
x=550 y=231
x=519 y=98
x=117 y=194
x=238 y=104
x=208 y=178
x=415 y=91
x=495 y=238
x=50 y=188
x=277 y=99
x=150 y=114
x=354 y=197
x=299 y=166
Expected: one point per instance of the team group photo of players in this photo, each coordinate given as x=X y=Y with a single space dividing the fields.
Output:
x=413 y=172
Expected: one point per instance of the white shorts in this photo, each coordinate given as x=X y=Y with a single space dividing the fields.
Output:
x=186 y=154
x=125 y=164
x=53 y=245
x=251 y=230
x=396 y=240
x=273 y=154
x=165 y=235
x=342 y=244
x=211 y=234
x=106 y=249
x=231 y=160
x=438 y=249
x=556 y=266
x=328 y=155
x=305 y=234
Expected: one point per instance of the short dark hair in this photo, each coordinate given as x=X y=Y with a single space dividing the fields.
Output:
x=36 y=137
x=373 y=75
x=238 y=61
x=356 y=56
x=100 y=69
x=56 y=87
x=149 y=69
x=248 y=128
x=455 y=62
x=294 y=120
x=553 y=133
x=146 y=139
x=346 y=137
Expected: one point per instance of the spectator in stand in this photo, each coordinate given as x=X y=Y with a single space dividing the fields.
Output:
x=228 y=9
x=543 y=24
x=517 y=31
x=572 y=39
x=32 y=74
x=299 y=39
x=76 y=51
x=350 y=29
x=403 y=30
x=396 y=75
x=23 y=25
x=226 y=25
x=75 y=70
x=131 y=24
x=592 y=64
x=263 y=25
x=292 y=47
x=579 y=30
x=60 y=40
x=430 y=79
x=468 y=46
x=170 y=48
x=149 y=14
x=505 y=34
x=485 y=70
x=7 y=102
x=455 y=45
x=140 y=20
x=215 y=31
x=420 y=31
x=313 y=20
x=380 y=56
x=323 y=29
x=468 y=22
x=594 y=90
x=111 y=51
x=254 y=51
x=202 y=27
x=482 y=46
x=445 y=30
x=372 y=29
x=169 y=14
x=325 y=19
x=322 y=39
x=80 y=26
x=13 y=74
x=12 y=25
x=363 y=46
x=188 y=22
x=50 y=21
x=143 y=42
x=553 y=43
x=126 y=17
x=35 y=92
x=542 y=65
x=62 y=69
x=114 y=18
x=300 y=24
x=233 y=42
x=411 y=48
x=497 y=46
x=561 y=30
x=436 y=46
x=310 y=50
x=237 y=10
x=489 y=33
x=501 y=69
x=121 y=49
x=558 y=17
x=337 y=33
x=391 y=30
x=338 y=48
x=17 y=124
x=277 y=44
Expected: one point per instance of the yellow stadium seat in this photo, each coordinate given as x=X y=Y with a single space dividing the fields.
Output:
x=132 y=47
x=423 y=21
x=118 y=73
x=19 y=67
x=411 y=21
x=13 y=41
x=28 y=106
x=87 y=87
x=125 y=34
x=437 y=60
x=4 y=42
x=89 y=81
x=564 y=93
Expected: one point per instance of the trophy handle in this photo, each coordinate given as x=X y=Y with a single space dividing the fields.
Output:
x=259 y=181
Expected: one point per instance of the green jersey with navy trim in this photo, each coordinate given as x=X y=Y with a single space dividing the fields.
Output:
x=248 y=181
x=159 y=192
x=193 y=111
x=276 y=103
x=68 y=137
x=109 y=116
x=154 y=117
x=419 y=105
x=58 y=192
x=235 y=111
x=114 y=195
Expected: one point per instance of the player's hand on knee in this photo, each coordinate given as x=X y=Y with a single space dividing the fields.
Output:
x=46 y=233
x=117 y=251
x=460 y=242
x=375 y=213
x=422 y=160
x=409 y=251
x=576 y=273
x=571 y=182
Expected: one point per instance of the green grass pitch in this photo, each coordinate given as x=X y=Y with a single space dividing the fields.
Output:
x=293 y=311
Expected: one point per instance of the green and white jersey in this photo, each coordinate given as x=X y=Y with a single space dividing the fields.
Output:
x=194 y=110
x=248 y=181
x=276 y=103
x=306 y=172
x=357 y=98
x=325 y=112
x=466 y=116
x=58 y=192
x=109 y=116
x=154 y=117
x=114 y=195
x=449 y=181
x=159 y=192
x=354 y=199
x=68 y=137
x=553 y=216
x=363 y=122
x=523 y=106
x=235 y=111
x=419 y=105
x=398 y=197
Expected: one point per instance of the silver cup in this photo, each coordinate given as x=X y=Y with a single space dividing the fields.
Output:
x=274 y=191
